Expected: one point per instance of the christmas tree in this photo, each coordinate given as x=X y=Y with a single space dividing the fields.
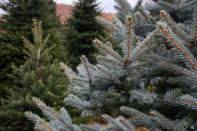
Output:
x=81 y=30
x=152 y=86
x=17 y=23
x=39 y=76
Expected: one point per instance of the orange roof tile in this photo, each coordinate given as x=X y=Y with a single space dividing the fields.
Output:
x=107 y=16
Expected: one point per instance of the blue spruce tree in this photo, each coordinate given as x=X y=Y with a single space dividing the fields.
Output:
x=127 y=87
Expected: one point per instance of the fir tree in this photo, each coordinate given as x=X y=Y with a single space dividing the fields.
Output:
x=117 y=81
x=92 y=100
x=39 y=76
x=17 y=22
x=143 y=22
x=116 y=84
x=82 y=29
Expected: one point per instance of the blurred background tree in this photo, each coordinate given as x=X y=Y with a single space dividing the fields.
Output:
x=17 y=22
x=39 y=76
x=82 y=29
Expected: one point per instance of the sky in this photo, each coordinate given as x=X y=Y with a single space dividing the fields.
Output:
x=105 y=5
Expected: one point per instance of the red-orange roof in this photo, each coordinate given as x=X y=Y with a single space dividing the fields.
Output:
x=107 y=16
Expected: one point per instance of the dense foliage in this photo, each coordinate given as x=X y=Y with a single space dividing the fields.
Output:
x=152 y=85
x=17 y=23
x=39 y=76
x=81 y=30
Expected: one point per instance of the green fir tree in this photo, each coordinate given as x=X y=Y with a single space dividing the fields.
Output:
x=39 y=76
x=81 y=30
x=17 y=22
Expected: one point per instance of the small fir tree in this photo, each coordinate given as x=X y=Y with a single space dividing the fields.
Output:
x=17 y=22
x=81 y=30
x=39 y=76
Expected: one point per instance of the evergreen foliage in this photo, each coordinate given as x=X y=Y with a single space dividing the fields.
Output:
x=17 y=22
x=136 y=84
x=39 y=76
x=179 y=10
x=143 y=22
x=81 y=30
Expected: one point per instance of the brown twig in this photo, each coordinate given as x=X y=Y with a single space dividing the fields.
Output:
x=186 y=55
x=130 y=27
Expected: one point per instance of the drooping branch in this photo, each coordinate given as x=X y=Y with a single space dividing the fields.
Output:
x=87 y=65
x=107 y=50
x=165 y=30
x=174 y=26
